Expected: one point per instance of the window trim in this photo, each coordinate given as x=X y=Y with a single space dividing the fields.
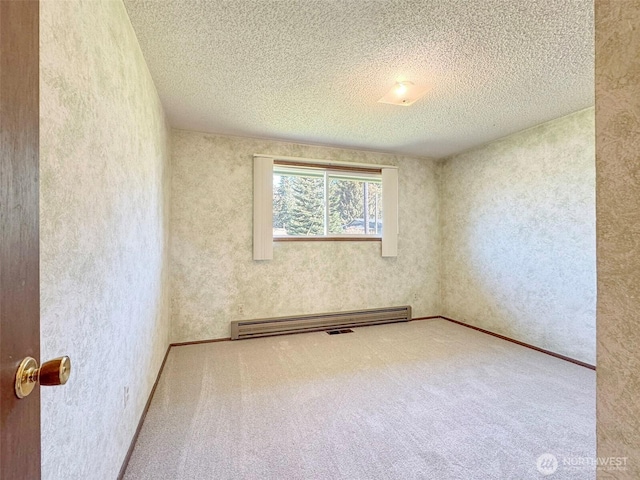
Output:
x=332 y=238
x=326 y=171
x=263 y=238
x=324 y=163
x=325 y=166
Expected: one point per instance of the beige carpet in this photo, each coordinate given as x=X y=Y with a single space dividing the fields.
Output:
x=419 y=400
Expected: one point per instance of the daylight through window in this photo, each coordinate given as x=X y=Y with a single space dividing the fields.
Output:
x=323 y=202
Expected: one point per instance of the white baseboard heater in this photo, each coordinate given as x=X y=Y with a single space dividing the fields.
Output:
x=317 y=322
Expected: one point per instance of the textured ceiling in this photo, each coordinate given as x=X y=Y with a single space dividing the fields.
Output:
x=312 y=71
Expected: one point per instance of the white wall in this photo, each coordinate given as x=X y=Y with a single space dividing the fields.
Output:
x=215 y=279
x=104 y=160
x=518 y=236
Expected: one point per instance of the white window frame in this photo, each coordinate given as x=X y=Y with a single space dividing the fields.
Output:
x=263 y=204
x=327 y=172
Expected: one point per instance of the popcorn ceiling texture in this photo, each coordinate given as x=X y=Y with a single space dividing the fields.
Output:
x=215 y=279
x=618 y=179
x=104 y=181
x=312 y=71
x=518 y=236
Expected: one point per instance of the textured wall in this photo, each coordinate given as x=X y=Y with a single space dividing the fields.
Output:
x=214 y=278
x=103 y=213
x=618 y=206
x=518 y=236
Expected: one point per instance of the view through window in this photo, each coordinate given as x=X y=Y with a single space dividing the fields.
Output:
x=321 y=202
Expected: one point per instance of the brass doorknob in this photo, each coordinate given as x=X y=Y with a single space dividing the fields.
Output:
x=53 y=372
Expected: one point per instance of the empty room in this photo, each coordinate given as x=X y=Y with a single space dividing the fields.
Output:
x=333 y=239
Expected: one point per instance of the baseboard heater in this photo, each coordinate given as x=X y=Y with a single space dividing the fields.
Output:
x=317 y=322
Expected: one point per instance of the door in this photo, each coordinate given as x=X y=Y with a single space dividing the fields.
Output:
x=19 y=253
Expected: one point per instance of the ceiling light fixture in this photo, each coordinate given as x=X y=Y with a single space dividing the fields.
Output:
x=404 y=93
x=401 y=88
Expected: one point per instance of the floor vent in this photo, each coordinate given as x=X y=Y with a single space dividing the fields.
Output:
x=338 y=332
x=318 y=322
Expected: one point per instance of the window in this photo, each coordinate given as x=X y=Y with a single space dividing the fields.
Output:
x=302 y=199
x=326 y=202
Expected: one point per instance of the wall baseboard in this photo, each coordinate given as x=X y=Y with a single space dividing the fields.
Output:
x=125 y=463
x=518 y=342
x=226 y=339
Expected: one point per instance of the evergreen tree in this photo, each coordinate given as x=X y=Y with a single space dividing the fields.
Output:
x=346 y=203
x=307 y=209
x=375 y=202
x=283 y=202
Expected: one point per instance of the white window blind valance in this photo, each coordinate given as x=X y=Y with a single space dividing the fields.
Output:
x=390 y=212
x=262 y=208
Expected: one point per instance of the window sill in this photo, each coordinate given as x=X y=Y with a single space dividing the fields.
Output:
x=329 y=239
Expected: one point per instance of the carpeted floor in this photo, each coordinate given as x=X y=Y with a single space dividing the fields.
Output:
x=420 y=400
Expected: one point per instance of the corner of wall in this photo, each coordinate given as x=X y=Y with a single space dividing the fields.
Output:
x=524 y=204
x=440 y=166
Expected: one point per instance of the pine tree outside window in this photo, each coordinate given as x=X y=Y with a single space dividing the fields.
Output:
x=319 y=202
